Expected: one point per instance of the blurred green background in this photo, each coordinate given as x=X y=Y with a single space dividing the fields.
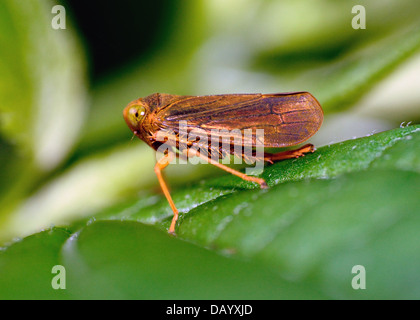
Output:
x=67 y=155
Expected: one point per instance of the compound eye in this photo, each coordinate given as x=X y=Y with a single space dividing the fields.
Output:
x=135 y=115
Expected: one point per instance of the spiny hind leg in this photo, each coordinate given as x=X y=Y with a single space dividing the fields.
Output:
x=289 y=154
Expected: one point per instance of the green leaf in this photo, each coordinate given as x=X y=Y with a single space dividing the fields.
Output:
x=137 y=262
x=345 y=200
x=27 y=264
x=352 y=203
x=327 y=162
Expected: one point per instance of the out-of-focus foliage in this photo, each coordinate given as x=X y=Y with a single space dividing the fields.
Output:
x=42 y=97
x=66 y=153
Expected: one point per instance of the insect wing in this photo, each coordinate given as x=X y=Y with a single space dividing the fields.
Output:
x=286 y=118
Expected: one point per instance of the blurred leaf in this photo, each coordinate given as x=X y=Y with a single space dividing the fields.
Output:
x=42 y=95
x=26 y=268
x=137 y=262
x=42 y=88
x=349 y=78
x=89 y=185
x=305 y=228
x=320 y=27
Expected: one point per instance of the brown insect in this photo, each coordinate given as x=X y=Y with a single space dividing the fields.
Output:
x=287 y=119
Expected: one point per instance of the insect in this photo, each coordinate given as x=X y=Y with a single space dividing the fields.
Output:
x=287 y=119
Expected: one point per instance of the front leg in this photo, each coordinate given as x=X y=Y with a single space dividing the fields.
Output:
x=160 y=165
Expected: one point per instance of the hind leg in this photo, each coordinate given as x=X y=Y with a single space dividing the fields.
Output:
x=273 y=157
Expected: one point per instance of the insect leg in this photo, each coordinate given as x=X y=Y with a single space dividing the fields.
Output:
x=160 y=165
x=273 y=157
x=241 y=175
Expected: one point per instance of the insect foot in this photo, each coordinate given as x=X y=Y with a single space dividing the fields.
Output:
x=263 y=184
